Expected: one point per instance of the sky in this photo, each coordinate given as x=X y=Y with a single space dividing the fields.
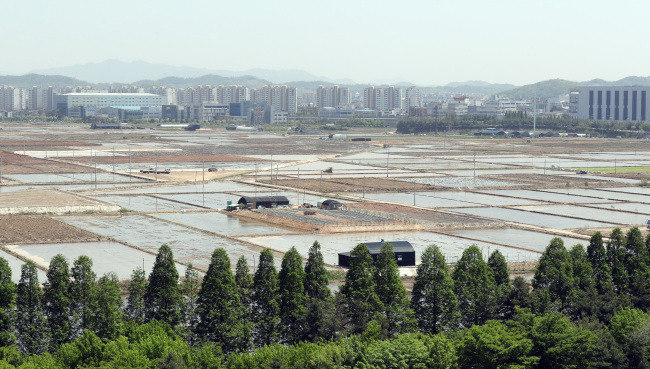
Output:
x=431 y=42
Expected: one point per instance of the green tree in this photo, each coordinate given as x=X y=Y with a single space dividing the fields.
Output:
x=244 y=283
x=392 y=293
x=219 y=309
x=7 y=303
x=316 y=279
x=359 y=296
x=499 y=266
x=474 y=288
x=135 y=309
x=190 y=287
x=616 y=256
x=518 y=297
x=82 y=290
x=433 y=298
x=30 y=321
x=106 y=306
x=163 y=300
x=321 y=321
x=266 y=309
x=554 y=271
x=600 y=269
x=56 y=303
x=293 y=301
x=582 y=271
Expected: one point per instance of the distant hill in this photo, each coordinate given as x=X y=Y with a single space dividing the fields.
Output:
x=480 y=89
x=209 y=79
x=29 y=80
x=544 y=89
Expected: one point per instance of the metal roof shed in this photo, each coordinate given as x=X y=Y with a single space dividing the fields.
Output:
x=404 y=253
x=263 y=201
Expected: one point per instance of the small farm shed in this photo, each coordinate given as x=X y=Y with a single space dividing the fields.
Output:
x=263 y=201
x=404 y=253
x=330 y=204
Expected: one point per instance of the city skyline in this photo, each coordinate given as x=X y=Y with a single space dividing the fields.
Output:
x=368 y=42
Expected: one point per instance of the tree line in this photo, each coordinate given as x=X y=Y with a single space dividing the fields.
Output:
x=585 y=308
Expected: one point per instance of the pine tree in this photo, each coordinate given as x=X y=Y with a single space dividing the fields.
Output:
x=106 y=306
x=30 y=321
x=601 y=272
x=7 y=303
x=499 y=267
x=582 y=272
x=616 y=256
x=218 y=307
x=293 y=301
x=554 y=271
x=636 y=253
x=135 y=310
x=359 y=295
x=433 y=298
x=56 y=303
x=190 y=288
x=474 y=287
x=392 y=293
x=163 y=300
x=266 y=309
x=244 y=283
x=82 y=289
x=321 y=322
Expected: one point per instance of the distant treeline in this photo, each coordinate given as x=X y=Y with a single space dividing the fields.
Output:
x=585 y=308
x=521 y=122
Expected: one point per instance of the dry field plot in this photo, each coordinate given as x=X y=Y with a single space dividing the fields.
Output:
x=530 y=180
x=49 y=201
x=339 y=185
x=33 y=229
x=151 y=157
x=23 y=164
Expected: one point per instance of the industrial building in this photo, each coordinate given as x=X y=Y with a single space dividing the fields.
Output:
x=614 y=103
x=404 y=253
x=254 y=202
x=95 y=101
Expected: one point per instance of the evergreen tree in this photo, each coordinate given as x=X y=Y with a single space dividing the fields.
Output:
x=218 y=307
x=30 y=321
x=7 y=303
x=474 y=288
x=56 y=303
x=600 y=269
x=82 y=289
x=392 y=293
x=163 y=300
x=518 y=297
x=360 y=299
x=433 y=298
x=135 y=310
x=266 y=309
x=582 y=272
x=190 y=288
x=499 y=267
x=554 y=271
x=106 y=307
x=293 y=310
x=636 y=253
x=616 y=256
x=321 y=322
x=316 y=279
x=244 y=283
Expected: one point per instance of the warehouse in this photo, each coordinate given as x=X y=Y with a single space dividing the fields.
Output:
x=253 y=202
x=404 y=253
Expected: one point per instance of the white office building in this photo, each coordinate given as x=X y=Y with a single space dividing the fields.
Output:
x=614 y=103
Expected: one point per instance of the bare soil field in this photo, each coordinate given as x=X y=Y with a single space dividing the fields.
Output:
x=28 y=229
x=161 y=158
x=551 y=181
x=49 y=201
x=431 y=219
x=605 y=232
x=23 y=164
x=40 y=144
x=338 y=185
x=189 y=175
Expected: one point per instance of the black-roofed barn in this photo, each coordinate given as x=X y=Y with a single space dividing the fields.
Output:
x=263 y=201
x=404 y=253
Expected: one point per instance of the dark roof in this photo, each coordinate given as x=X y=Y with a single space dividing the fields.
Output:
x=329 y=201
x=398 y=246
x=263 y=199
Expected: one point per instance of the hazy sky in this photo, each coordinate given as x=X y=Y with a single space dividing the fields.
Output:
x=427 y=42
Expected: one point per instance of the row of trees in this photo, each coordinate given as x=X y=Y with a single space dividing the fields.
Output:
x=242 y=312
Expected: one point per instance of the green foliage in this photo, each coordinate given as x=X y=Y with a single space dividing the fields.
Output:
x=293 y=301
x=474 y=288
x=218 y=307
x=600 y=270
x=163 y=300
x=616 y=257
x=190 y=290
x=244 y=283
x=582 y=271
x=82 y=289
x=106 y=307
x=30 y=321
x=321 y=320
x=555 y=271
x=316 y=279
x=266 y=309
x=56 y=302
x=433 y=299
x=7 y=301
x=135 y=309
x=359 y=296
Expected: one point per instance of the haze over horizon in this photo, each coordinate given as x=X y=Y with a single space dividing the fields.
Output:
x=426 y=43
